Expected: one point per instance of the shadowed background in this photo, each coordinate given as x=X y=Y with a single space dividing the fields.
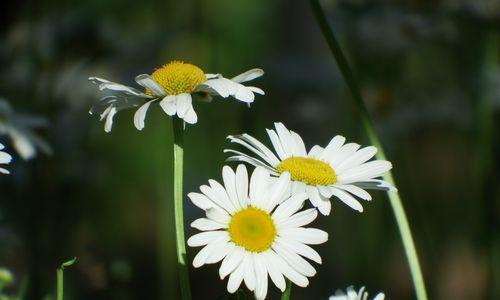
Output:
x=429 y=72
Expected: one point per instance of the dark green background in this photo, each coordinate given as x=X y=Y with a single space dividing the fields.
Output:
x=429 y=73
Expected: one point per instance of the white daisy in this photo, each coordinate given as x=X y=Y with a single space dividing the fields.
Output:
x=20 y=128
x=340 y=170
x=5 y=158
x=171 y=86
x=255 y=229
x=353 y=295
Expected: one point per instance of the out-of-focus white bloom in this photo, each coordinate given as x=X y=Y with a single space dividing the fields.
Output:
x=256 y=229
x=353 y=295
x=5 y=158
x=20 y=128
x=340 y=170
x=171 y=86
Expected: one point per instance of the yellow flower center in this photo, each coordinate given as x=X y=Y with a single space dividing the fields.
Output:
x=178 y=77
x=252 y=229
x=310 y=171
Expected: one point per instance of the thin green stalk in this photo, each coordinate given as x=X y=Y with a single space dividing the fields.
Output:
x=288 y=291
x=178 y=128
x=395 y=200
x=60 y=278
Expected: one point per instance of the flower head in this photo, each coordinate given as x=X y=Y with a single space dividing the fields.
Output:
x=171 y=86
x=341 y=170
x=5 y=158
x=20 y=128
x=353 y=295
x=255 y=228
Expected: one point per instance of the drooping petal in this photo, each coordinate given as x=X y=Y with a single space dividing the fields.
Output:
x=146 y=81
x=140 y=115
x=248 y=75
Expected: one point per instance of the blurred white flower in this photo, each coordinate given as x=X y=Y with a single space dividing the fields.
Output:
x=256 y=229
x=171 y=86
x=340 y=170
x=353 y=295
x=5 y=158
x=20 y=129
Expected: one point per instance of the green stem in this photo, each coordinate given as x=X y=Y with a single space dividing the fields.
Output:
x=288 y=291
x=178 y=128
x=60 y=278
x=60 y=283
x=395 y=200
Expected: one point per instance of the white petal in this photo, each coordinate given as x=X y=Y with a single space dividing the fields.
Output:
x=22 y=144
x=215 y=245
x=231 y=261
x=380 y=296
x=274 y=272
x=299 y=219
x=219 y=252
x=184 y=104
x=235 y=279
x=248 y=75
x=218 y=86
x=201 y=200
x=343 y=153
x=203 y=238
x=242 y=185
x=301 y=249
x=222 y=195
x=259 y=149
x=376 y=184
x=217 y=197
x=109 y=120
x=365 y=171
x=300 y=147
x=113 y=86
x=289 y=207
x=229 y=178
x=140 y=115
x=310 y=236
x=356 y=191
x=169 y=105
x=207 y=224
x=249 y=271
x=318 y=201
x=288 y=271
x=361 y=156
x=271 y=158
x=258 y=186
x=191 y=117
x=146 y=81
x=347 y=199
x=295 y=261
x=285 y=139
x=5 y=157
x=278 y=192
x=261 y=276
x=277 y=144
x=218 y=215
x=315 y=152
x=333 y=146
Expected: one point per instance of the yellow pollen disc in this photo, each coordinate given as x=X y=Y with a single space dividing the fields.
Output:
x=178 y=77
x=310 y=171
x=252 y=229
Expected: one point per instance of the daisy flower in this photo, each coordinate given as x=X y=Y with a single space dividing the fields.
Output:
x=5 y=158
x=353 y=295
x=255 y=228
x=341 y=170
x=20 y=128
x=171 y=86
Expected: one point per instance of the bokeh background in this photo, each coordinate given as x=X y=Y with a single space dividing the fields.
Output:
x=429 y=72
